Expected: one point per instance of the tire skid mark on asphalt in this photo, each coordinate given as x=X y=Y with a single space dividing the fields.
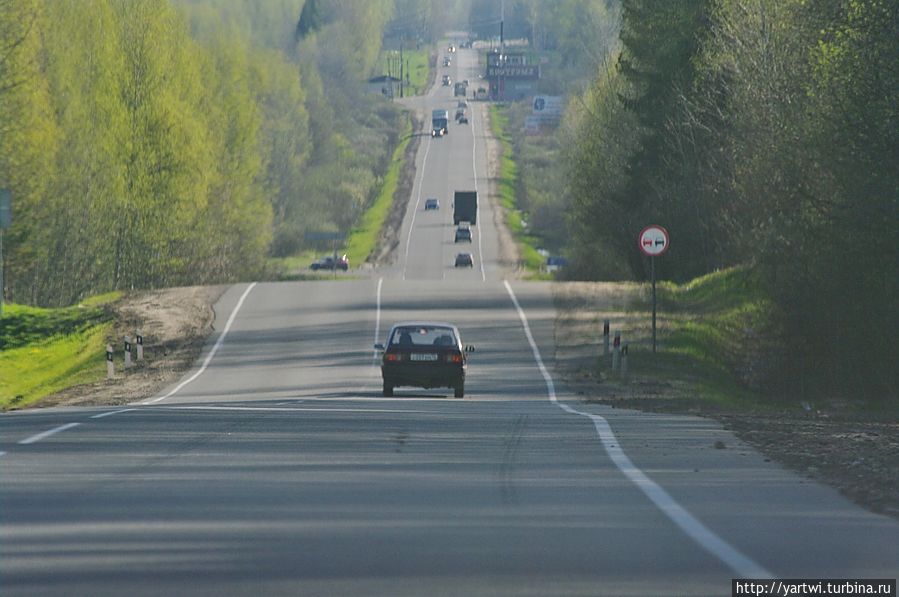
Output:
x=738 y=562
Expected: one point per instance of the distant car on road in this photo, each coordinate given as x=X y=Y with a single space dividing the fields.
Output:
x=328 y=262
x=432 y=203
x=452 y=49
x=464 y=260
x=424 y=355
x=462 y=119
x=446 y=81
x=447 y=61
x=463 y=234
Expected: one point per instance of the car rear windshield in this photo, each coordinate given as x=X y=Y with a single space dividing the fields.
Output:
x=423 y=336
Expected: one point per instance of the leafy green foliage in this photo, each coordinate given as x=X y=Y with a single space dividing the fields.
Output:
x=761 y=132
x=163 y=142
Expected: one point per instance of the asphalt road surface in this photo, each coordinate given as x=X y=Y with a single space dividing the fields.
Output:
x=276 y=467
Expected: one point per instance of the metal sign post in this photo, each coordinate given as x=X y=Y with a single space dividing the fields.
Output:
x=5 y=222
x=653 y=241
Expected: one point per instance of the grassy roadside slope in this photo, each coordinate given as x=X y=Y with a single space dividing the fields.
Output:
x=714 y=341
x=508 y=182
x=364 y=237
x=43 y=351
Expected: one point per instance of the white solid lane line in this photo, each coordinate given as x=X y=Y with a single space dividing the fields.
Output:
x=36 y=438
x=421 y=180
x=740 y=564
x=474 y=167
x=212 y=352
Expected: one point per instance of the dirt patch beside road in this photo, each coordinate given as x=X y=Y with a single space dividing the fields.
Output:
x=175 y=323
x=858 y=453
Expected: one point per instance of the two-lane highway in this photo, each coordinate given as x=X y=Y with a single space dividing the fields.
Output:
x=276 y=467
x=455 y=162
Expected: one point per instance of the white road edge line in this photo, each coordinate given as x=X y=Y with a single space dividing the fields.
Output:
x=739 y=563
x=36 y=438
x=212 y=352
x=474 y=167
x=421 y=180
x=112 y=412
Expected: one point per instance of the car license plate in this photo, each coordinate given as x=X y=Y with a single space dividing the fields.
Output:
x=422 y=356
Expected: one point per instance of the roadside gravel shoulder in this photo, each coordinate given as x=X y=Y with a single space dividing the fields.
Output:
x=857 y=453
x=175 y=323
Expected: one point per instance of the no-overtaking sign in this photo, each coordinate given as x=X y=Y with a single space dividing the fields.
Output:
x=653 y=241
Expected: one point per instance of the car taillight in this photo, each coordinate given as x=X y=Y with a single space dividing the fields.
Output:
x=393 y=357
x=454 y=358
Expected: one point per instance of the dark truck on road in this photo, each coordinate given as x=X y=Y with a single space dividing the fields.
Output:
x=439 y=122
x=465 y=207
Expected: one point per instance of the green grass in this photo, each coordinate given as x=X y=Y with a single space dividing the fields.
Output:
x=419 y=69
x=364 y=237
x=43 y=351
x=711 y=331
x=508 y=183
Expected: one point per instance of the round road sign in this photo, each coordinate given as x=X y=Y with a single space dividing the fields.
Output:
x=653 y=241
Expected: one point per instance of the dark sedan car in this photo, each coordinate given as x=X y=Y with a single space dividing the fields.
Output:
x=463 y=234
x=432 y=203
x=329 y=263
x=424 y=355
x=464 y=260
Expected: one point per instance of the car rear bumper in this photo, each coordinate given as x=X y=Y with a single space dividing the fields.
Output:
x=423 y=375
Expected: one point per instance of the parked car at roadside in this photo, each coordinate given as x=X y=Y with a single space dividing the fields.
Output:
x=329 y=263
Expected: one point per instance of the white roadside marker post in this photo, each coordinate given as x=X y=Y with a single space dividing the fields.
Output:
x=127 y=352
x=110 y=366
x=140 y=345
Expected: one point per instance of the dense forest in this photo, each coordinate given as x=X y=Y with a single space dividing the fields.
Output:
x=155 y=142
x=762 y=133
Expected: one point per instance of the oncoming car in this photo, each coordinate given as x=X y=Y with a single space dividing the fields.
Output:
x=424 y=355
x=432 y=203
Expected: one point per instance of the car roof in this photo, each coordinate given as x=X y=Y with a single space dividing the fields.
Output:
x=420 y=324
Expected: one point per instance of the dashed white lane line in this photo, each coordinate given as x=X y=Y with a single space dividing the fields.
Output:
x=739 y=563
x=215 y=349
x=112 y=412
x=36 y=438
